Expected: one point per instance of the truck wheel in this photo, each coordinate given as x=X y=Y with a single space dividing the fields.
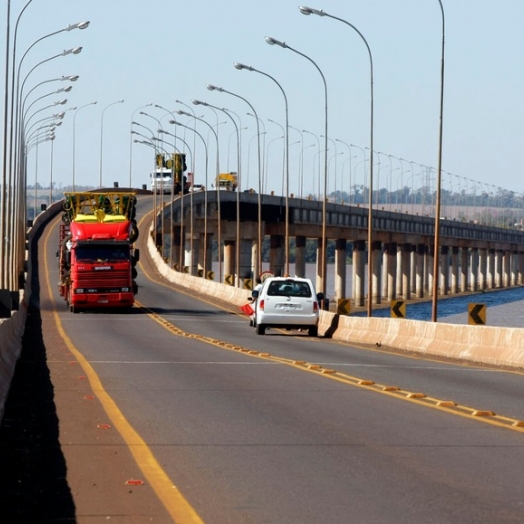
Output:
x=313 y=331
x=260 y=329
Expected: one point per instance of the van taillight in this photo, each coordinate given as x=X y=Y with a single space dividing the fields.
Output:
x=315 y=306
x=261 y=305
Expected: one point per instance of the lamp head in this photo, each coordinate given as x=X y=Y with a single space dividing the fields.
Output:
x=240 y=66
x=274 y=41
x=66 y=89
x=310 y=11
x=211 y=87
x=199 y=102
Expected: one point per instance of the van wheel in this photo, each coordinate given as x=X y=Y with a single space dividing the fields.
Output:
x=260 y=329
x=313 y=331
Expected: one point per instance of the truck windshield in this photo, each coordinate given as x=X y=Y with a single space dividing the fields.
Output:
x=102 y=253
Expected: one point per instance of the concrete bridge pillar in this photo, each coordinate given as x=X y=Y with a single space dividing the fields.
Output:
x=300 y=257
x=514 y=268
x=430 y=277
x=520 y=268
x=413 y=270
x=359 y=271
x=490 y=277
x=464 y=269
x=391 y=267
x=254 y=259
x=377 y=271
x=176 y=251
x=276 y=255
x=191 y=254
x=483 y=269
x=384 y=293
x=474 y=254
x=506 y=270
x=246 y=267
x=406 y=270
x=454 y=270
x=444 y=270
x=229 y=260
x=499 y=267
x=340 y=269
x=399 y=279
x=419 y=281
x=204 y=251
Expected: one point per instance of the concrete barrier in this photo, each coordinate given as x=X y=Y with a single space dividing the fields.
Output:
x=484 y=344
x=12 y=329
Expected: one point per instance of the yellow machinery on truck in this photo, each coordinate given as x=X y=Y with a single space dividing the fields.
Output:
x=227 y=181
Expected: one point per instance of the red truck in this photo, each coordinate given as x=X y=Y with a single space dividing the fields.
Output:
x=96 y=258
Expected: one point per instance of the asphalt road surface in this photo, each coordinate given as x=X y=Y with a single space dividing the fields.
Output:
x=179 y=412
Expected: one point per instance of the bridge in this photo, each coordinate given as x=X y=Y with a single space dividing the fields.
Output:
x=472 y=257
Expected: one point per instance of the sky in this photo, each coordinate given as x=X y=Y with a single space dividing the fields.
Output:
x=158 y=56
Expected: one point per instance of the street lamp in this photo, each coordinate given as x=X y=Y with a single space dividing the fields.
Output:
x=273 y=41
x=434 y=301
x=102 y=136
x=74 y=140
x=204 y=268
x=217 y=175
x=259 y=257
x=240 y=66
x=239 y=182
x=308 y=11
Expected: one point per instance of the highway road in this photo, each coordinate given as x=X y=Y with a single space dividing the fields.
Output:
x=181 y=404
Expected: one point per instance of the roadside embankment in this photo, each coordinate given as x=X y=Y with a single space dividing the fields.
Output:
x=489 y=345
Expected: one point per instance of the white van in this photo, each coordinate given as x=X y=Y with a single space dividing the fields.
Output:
x=289 y=303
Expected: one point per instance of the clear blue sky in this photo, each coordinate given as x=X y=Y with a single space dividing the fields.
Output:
x=161 y=51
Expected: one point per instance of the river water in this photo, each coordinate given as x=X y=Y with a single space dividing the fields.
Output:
x=504 y=308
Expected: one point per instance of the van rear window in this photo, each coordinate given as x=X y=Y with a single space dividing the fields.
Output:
x=289 y=288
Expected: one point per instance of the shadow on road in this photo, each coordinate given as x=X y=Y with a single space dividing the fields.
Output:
x=33 y=485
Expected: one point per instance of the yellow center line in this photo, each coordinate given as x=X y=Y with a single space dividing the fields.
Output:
x=175 y=503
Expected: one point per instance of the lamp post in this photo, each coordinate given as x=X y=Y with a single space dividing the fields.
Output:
x=206 y=187
x=240 y=67
x=102 y=136
x=308 y=11
x=191 y=225
x=434 y=298
x=239 y=185
x=211 y=87
x=219 y=231
x=74 y=137
x=273 y=41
